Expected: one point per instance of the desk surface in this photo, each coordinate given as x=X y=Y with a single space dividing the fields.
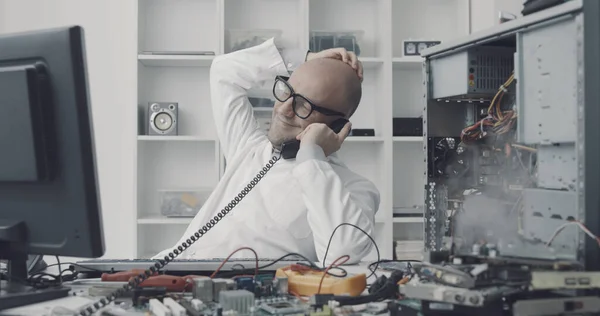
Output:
x=66 y=305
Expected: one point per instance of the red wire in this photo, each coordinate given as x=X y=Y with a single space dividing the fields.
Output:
x=226 y=259
x=333 y=264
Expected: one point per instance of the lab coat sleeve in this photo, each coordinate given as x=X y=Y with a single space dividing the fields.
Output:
x=231 y=76
x=333 y=199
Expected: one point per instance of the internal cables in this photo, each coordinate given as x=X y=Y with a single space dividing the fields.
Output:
x=364 y=232
x=570 y=223
x=497 y=121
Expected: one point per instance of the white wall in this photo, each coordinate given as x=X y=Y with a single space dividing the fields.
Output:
x=111 y=44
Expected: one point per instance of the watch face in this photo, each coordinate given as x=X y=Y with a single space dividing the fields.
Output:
x=411 y=48
x=422 y=46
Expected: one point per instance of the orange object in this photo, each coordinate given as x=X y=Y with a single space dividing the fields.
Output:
x=123 y=276
x=171 y=283
x=306 y=283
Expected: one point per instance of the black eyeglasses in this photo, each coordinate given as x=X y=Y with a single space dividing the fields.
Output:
x=302 y=107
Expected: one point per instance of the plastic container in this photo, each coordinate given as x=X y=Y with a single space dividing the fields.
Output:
x=182 y=203
x=261 y=102
x=409 y=250
x=240 y=39
x=322 y=40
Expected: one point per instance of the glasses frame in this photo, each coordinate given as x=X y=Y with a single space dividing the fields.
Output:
x=294 y=95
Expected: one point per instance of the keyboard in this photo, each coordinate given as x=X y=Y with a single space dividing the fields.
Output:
x=183 y=265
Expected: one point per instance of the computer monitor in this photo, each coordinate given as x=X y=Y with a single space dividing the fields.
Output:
x=49 y=199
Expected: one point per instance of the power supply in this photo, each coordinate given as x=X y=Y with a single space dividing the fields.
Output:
x=472 y=74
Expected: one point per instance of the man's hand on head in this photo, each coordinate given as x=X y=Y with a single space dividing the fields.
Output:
x=320 y=134
x=342 y=54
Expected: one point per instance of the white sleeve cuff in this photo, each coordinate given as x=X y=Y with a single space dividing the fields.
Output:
x=310 y=151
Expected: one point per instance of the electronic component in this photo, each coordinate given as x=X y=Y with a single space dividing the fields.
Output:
x=309 y=283
x=416 y=47
x=282 y=308
x=445 y=275
x=544 y=280
x=231 y=285
x=157 y=308
x=281 y=284
x=580 y=305
x=408 y=126
x=454 y=295
x=197 y=304
x=245 y=283
x=218 y=285
x=175 y=308
x=471 y=74
x=362 y=132
x=141 y=295
x=501 y=178
x=191 y=309
x=203 y=289
x=238 y=300
x=263 y=285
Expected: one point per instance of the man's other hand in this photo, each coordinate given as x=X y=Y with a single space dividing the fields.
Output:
x=320 y=134
x=342 y=54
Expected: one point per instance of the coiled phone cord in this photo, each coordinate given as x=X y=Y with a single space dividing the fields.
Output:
x=161 y=263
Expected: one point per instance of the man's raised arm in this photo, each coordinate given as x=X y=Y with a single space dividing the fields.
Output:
x=231 y=76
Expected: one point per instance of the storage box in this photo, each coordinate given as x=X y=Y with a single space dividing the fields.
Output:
x=261 y=102
x=322 y=40
x=409 y=250
x=241 y=39
x=182 y=203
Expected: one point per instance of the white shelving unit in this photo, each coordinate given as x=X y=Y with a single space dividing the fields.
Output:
x=392 y=88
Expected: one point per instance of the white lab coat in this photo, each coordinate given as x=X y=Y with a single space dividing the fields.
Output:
x=299 y=202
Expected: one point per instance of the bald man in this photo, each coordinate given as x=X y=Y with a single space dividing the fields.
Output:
x=291 y=205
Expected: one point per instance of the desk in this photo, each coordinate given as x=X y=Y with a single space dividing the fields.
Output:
x=74 y=303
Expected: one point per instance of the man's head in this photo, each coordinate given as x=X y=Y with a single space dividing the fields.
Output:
x=332 y=86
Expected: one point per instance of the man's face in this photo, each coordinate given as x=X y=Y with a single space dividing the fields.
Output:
x=321 y=90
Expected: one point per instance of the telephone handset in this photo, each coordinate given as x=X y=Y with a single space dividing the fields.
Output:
x=290 y=148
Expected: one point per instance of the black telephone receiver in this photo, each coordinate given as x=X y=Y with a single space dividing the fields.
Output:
x=290 y=148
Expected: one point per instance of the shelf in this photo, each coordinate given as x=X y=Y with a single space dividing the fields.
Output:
x=265 y=109
x=160 y=220
x=408 y=219
x=408 y=62
x=175 y=60
x=371 y=62
x=392 y=87
x=407 y=139
x=364 y=139
x=181 y=138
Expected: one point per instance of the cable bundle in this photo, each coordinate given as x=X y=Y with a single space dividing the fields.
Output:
x=497 y=121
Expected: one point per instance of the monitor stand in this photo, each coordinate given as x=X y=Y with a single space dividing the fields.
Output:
x=14 y=291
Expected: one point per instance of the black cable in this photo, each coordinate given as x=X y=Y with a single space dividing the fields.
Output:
x=59 y=269
x=388 y=290
x=310 y=264
x=161 y=263
x=364 y=232
x=407 y=261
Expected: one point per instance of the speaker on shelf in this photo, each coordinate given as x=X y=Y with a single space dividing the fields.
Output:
x=162 y=118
